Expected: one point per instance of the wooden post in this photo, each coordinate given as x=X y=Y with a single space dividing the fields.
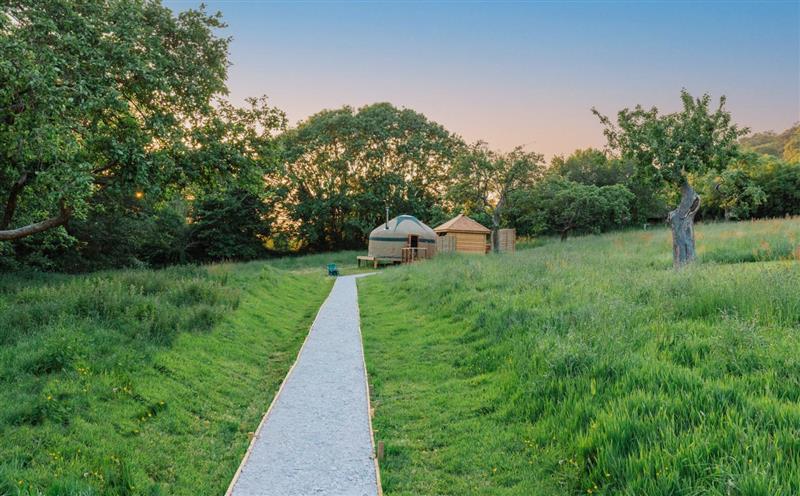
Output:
x=380 y=450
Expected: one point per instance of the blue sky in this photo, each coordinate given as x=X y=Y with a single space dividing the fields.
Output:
x=516 y=73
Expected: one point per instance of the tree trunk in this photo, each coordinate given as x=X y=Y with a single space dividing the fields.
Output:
x=496 y=225
x=682 y=222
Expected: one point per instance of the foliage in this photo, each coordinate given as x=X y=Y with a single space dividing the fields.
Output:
x=791 y=150
x=668 y=147
x=594 y=167
x=116 y=99
x=731 y=194
x=89 y=88
x=780 y=181
x=483 y=180
x=343 y=167
x=563 y=369
x=233 y=224
x=120 y=382
x=785 y=145
x=559 y=206
x=590 y=166
x=756 y=186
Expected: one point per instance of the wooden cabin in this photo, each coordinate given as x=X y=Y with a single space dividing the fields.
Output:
x=463 y=234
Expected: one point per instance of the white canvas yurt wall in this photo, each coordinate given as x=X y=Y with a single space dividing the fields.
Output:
x=387 y=240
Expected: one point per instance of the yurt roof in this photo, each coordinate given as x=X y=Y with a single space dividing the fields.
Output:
x=403 y=224
x=462 y=223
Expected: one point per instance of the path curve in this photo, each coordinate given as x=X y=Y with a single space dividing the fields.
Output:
x=316 y=439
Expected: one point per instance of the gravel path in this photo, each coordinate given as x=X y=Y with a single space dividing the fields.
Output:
x=316 y=438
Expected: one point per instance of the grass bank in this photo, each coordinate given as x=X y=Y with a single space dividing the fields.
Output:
x=591 y=367
x=143 y=382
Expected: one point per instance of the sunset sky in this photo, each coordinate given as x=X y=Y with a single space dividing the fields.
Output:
x=516 y=73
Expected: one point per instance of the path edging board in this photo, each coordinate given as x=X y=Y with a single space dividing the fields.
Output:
x=263 y=421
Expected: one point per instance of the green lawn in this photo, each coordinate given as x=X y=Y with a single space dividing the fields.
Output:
x=591 y=367
x=143 y=382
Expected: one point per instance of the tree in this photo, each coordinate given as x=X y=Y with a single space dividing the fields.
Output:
x=113 y=97
x=342 y=168
x=482 y=180
x=588 y=166
x=560 y=206
x=670 y=147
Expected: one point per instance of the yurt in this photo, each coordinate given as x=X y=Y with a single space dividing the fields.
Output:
x=464 y=235
x=402 y=239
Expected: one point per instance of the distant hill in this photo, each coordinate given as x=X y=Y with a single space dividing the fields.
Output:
x=785 y=145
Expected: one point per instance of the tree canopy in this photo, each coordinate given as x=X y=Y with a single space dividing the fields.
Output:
x=119 y=97
x=668 y=147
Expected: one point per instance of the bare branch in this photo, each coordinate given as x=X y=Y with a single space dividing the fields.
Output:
x=22 y=232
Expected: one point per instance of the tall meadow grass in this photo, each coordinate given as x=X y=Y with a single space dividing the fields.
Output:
x=608 y=372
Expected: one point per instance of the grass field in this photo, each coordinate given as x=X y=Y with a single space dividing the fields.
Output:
x=591 y=367
x=143 y=382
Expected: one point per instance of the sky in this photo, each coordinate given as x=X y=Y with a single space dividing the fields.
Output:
x=516 y=72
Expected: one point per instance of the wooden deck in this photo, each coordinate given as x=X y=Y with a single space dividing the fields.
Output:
x=374 y=261
x=413 y=254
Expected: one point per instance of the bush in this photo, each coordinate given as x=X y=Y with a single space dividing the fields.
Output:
x=560 y=206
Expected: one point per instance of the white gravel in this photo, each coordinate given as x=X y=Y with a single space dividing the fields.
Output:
x=316 y=439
